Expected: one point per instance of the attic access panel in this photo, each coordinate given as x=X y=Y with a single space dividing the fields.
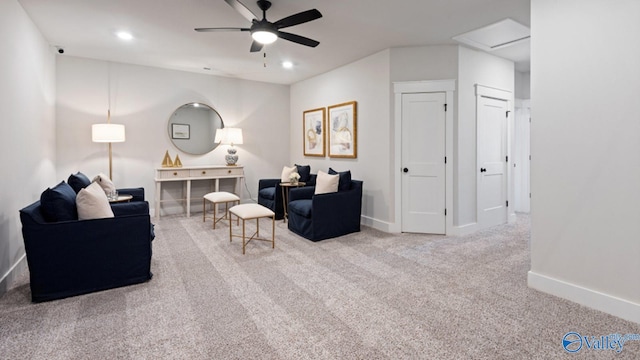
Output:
x=495 y=36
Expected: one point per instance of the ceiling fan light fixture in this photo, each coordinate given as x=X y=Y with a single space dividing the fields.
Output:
x=265 y=32
x=264 y=36
x=124 y=35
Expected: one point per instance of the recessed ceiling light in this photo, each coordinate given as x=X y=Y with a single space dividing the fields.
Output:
x=287 y=64
x=124 y=35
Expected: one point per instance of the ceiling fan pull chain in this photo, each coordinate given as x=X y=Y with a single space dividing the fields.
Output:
x=264 y=55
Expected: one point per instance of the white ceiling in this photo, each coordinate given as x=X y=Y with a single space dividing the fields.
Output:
x=349 y=30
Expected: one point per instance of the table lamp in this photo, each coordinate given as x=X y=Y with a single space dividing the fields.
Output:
x=229 y=136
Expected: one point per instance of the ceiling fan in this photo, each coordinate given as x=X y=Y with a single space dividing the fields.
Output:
x=265 y=32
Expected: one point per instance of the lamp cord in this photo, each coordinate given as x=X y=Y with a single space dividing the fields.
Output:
x=249 y=192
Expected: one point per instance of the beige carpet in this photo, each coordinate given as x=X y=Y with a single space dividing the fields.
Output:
x=368 y=295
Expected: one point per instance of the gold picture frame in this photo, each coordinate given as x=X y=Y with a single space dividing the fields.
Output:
x=313 y=132
x=343 y=131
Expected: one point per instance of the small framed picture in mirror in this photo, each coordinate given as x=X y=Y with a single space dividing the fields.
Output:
x=180 y=131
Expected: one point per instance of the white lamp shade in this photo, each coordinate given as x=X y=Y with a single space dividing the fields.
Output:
x=107 y=133
x=219 y=135
x=229 y=136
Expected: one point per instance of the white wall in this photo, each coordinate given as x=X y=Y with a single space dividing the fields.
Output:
x=523 y=85
x=419 y=64
x=469 y=67
x=367 y=82
x=424 y=63
x=27 y=149
x=143 y=99
x=474 y=67
x=585 y=145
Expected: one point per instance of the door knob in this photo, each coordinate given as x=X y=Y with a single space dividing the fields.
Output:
x=405 y=170
x=483 y=170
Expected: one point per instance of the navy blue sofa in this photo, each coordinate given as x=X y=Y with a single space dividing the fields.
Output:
x=73 y=257
x=324 y=216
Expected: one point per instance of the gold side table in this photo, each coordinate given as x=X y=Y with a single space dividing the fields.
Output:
x=122 y=198
x=286 y=186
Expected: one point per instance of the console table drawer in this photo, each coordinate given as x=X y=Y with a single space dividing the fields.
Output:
x=220 y=172
x=169 y=174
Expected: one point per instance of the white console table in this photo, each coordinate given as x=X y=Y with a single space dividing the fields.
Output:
x=187 y=174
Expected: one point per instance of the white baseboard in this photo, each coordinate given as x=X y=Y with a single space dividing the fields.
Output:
x=395 y=228
x=596 y=300
x=16 y=271
x=463 y=230
x=377 y=224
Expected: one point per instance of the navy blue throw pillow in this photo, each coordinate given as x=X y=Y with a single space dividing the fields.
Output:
x=59 y=203
x=78 y=181
x=304 y=171
x=344 y=182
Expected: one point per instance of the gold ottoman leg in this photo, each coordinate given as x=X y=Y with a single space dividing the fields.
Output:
x=244 y=244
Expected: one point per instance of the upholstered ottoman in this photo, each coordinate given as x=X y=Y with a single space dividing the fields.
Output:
x=218 y=198
x=249 y=212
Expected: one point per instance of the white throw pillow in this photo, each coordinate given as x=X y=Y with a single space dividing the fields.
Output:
x=286 y=173
x=326 y=183
x=92 y=203
x=104 y=182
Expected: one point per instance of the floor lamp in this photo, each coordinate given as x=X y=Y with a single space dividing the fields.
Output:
x=108 y=133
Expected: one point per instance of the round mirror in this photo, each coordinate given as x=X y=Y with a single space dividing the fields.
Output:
x=193 y=126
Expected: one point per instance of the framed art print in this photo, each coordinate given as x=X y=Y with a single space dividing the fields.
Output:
x=343 y=132
x=313 y=128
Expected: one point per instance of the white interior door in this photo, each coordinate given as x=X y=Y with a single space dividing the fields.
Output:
x=522 y=159
x=423 y=163
x=492 y=161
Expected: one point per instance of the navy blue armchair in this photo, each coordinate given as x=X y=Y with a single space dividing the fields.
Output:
x=137 y=193
x=270 y=194
x=68 y=258
x=324 y=216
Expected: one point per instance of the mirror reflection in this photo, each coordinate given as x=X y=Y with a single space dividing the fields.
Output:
x=192 y=128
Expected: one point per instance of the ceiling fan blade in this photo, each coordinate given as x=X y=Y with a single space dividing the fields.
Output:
x=298 y=39
x=298 y=18
x=220 y=29
x=243 y=10
x=256 y=46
